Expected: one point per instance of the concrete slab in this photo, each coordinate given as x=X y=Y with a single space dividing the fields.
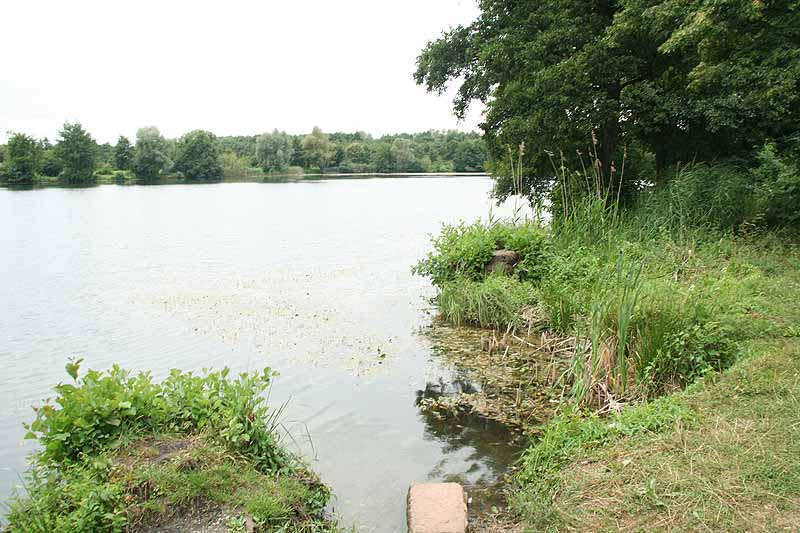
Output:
x=437 y=508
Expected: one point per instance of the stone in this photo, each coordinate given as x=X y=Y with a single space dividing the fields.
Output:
x=437 y=508
x=503 y=261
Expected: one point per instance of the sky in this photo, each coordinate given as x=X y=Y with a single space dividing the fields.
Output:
x=231 y=67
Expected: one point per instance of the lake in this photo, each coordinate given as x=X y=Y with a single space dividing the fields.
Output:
x=312 y=279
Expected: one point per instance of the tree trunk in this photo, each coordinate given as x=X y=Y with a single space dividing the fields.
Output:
x=608 y=142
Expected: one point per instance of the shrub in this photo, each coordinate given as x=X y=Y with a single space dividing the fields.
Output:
x=462 y=251
x=779 y=188
x=103 y=409
x=119 y=450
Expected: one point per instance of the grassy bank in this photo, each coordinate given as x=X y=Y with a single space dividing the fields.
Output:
x=195 y=452
x=719 y=455
x=675 y=400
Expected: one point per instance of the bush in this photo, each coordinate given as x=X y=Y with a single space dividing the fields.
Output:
x=462 y=251
x=119 y=450
x=779 y=188
x=103 y=409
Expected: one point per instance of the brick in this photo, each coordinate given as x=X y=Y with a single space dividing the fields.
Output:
x=437 y=508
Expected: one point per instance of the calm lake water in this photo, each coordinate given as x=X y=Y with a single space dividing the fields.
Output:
x=311 y=279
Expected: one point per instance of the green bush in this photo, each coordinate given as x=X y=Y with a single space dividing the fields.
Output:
x=463 y=251
x=778 y=185
x=103 y=409
x=675 y=342
x=99 y=467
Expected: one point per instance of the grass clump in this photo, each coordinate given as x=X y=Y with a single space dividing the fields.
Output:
x=123 y=452
x=494 y=302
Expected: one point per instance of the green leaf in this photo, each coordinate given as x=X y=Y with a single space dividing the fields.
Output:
x=73 y=366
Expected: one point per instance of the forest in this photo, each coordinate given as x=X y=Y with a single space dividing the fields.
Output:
x=77 y=159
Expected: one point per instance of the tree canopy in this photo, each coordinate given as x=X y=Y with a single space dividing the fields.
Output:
x=123 y=154
x=274 y=151
x=77 y=151
x=23 y=156
x=198 y=156
x=672 y=80
x=151 y=156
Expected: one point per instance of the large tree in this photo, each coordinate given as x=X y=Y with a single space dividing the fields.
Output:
x=123 y=154
x=318 y=149
x=23 y=159
x=198 y=156
x=274 y=151
x=679 y=79
x=150 y=158
x=77 y=151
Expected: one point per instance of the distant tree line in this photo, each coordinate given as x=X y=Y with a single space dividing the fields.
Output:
x=76 y=158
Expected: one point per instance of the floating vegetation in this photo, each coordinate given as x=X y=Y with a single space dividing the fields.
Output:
x=513 y=376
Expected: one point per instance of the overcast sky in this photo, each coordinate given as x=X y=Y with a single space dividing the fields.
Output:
x=232 y=67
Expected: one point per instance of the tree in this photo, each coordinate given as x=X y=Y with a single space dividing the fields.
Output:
x=358 y=153
x=23 y=159
x=51 y=163
x=318 y=149
x=198 y=156
x=123 y=154
x=298 y=153
x=469 y=156
x=274 y=151
x=682 y=79
x=77 y=151
x=385 y=160
x=150 y=157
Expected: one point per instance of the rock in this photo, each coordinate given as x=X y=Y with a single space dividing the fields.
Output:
x=437 y=508
x=503 y=261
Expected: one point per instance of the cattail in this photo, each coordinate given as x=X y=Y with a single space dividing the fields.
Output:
x=522 y=148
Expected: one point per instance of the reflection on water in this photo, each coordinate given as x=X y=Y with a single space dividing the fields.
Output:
x=489 y=447
x=311 y=279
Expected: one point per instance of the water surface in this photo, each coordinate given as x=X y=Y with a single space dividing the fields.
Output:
x=312 y=279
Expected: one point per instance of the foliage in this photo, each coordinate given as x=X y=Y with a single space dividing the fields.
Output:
x=51 y=163
x=123 y=154
x=24 y=156
x=465 y=250
x=151 y=154
x=234 y=166
x=274 y=151
x=277 y=152
x=671 y=80
x=621 y=282
x=198 y=156
x=77 y=152
x=495 y=302
x=94 y=471
x=318 y=149
x=103 y=408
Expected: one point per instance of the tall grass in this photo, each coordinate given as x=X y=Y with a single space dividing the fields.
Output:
x=631 y=284
x=496 y=302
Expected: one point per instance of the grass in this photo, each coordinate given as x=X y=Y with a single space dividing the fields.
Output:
x=719 y=455
x=729 y=463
